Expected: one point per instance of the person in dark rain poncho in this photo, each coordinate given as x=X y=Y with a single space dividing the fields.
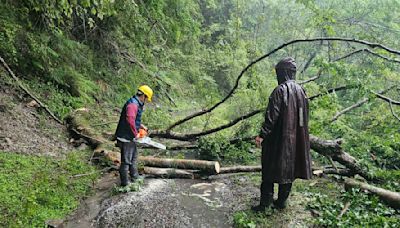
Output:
x=284 y=137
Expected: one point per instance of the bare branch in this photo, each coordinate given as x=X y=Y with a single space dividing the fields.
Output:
x=370 y=52
x=363 y=42
x=194 y=136
x=393 y=113
x=339 y=88
x=358 y=104
x=311 y=79
x=387 y=99
x=308 y=63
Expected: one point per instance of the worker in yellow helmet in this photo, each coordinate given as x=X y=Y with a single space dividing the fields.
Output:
x=127 y=131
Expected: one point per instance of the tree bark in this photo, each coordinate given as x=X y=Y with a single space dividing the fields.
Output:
x=391 y=198
x=168 y=173
x=240 y=169
x=332 y=148
x=210 y=167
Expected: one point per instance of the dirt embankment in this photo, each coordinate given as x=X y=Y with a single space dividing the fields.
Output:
x=23 y=129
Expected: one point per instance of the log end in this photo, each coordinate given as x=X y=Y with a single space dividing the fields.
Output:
x=217 y=167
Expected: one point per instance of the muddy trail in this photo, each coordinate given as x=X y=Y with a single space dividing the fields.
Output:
x=180 y=203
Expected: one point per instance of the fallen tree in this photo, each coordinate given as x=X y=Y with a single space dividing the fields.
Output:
x=333 y=149
x=391 y=198
x=232 y=91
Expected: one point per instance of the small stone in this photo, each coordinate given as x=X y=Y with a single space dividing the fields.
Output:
x=54 y=223
x=83 y=146
x=8 y=140
x=33 y=104
x=3 y=108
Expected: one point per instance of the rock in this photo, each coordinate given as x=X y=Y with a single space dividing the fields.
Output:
x=8 y=140
x=3 y=108
x=54 y=223
x=83 y=146
x=33 y=104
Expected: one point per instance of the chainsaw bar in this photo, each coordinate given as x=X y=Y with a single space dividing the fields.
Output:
x=148 y=141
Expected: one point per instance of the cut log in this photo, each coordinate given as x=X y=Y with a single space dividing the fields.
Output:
x=391 y=198
x=210 y=167
x=240 y=169
x=168 y=173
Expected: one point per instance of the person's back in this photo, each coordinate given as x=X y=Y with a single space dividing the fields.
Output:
x=284 y=136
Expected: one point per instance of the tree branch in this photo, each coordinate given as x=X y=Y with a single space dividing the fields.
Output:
x=370 y=52
x=387 y=99
x=308 y=63
x=331 y=90
x=393 y=113
x=231 y=92
x=311 y=79
x=358 y=104
x=194 y=136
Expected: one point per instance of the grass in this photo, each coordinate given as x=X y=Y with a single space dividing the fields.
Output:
x=324 y=198
x=35 y=189
x=296 y=214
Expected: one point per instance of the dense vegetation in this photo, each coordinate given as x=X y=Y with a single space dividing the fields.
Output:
x=94 y=54
x=35 y=189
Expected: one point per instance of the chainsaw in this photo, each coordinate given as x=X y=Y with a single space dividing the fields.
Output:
x=142 y=138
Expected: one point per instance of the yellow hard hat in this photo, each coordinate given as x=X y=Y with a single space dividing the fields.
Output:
x=147 y=91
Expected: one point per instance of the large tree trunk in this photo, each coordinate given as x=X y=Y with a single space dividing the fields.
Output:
x=332 y=148
x=391 y=198
x=211 y=167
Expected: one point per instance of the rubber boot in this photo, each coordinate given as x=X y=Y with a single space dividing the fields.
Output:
x=123 y=174
x=265 y=202
x=283 y=195
x=267 y=196
x=133 y=172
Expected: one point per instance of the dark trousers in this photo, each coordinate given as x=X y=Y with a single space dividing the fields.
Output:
x=128 y=162
x=267 y=192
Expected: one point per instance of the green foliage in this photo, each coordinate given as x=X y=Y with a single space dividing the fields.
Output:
x=62 y=13
x=95 y=53
x=242 y=219
x=35 y=189
x=132 y=187
x=218 y=148
x=364 y=211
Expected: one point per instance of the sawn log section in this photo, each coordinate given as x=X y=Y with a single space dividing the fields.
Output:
x=210 y=167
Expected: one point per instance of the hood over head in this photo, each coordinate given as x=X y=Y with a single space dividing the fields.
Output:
x=286 y=70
